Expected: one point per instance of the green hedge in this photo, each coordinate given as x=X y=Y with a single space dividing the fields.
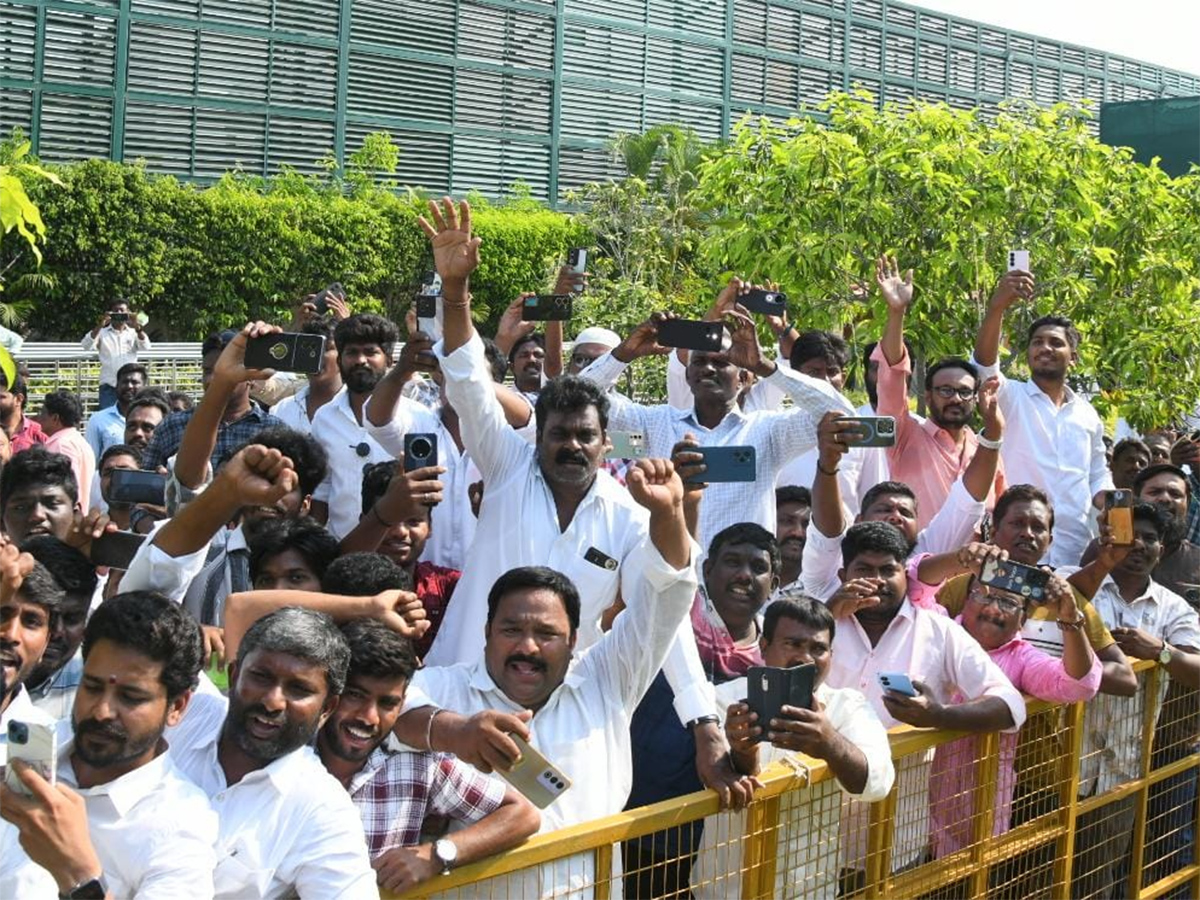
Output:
x=200 y=259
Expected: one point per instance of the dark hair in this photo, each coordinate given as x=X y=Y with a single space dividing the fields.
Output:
x=801 y=608
x=535 y=578
x=1020 y=493
x=533 y=337
x=1159 y=469
x=217 y=342
x=820 y=345
x=1129 y=444
x=496 y=360
x=305 y=634
x=17 y=387
x=569 y=394
x=793 y=493
x=117 y=450
x=364 y=575
x=883 y=489
x=37 y=467
x=378 y=652
x=308 y=457
x=73 y=572
x=133 y=367
x=182 y=397
x=375 y=480
x=40 y=588
x=365 y=328
x=1155 y=515
x=869 y=349
x=146 y=397
x=1062 y=322
x=117 y=301
x=322 y=325
x=873 y=537
x=64 y=404
x=747 y=533
x=150 y=624
x=950 y=362
x=306 y=536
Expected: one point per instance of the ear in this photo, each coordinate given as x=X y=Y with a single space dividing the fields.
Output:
x=841 y=574
x=327 y=708
x=305 y=505
x=231 y=671
x=177 y=707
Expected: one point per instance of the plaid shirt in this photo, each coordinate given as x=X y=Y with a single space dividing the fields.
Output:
x=169 y=435
x=433 y=585
x=396 y=790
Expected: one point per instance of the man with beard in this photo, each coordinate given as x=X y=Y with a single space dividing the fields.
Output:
x=22 y=431
x=122 y=821
x=1167 y=487
x=395 y=790
x=526 y=360
x=1129 y=457
x=1055 y=437
x=106 y=427
x=927 y=456
x=286 y=825
x=364 y=345
x=793 y=512
x=146 y=413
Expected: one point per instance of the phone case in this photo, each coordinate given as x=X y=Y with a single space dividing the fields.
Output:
x=547 y=308
x=137 y=486
x=1119 y=504
x=769 y=303
x=693 y=335
x=577 y=259
x=33 y=744
x=897 y=682
x=287 y=352
x=769 y=689
x=1025 y=581
x=420 y=451
x=723 y=464
x=877 y=431
x=1018 y=260
x=627 y=445
x=538 y=779
x=116 y=549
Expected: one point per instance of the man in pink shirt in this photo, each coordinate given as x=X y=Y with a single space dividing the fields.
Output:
x=994 y=618
x=928 y=455
x=62 y=411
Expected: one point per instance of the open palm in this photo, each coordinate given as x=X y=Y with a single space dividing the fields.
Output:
x=897 y=291
x=455 y=250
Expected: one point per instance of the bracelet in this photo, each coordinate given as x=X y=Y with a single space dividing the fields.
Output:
x=382 y=521
x=825 y=471
x=429 y=728
x=989 y=443
x=1072 y=626
x=709 y=719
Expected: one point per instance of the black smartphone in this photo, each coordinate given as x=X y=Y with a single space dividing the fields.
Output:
x=420 y=451
x=874 y=431
x=547 y=308
x=693 y=335
x=737 y=463
x=116 y=318
x=321 y=302
x=770 y=689
x=116 y=549
x=1016 y=578
x=769 y=303
x=287 y=352
x=137 y=486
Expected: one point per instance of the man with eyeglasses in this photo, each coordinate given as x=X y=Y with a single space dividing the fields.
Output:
x=930 y=454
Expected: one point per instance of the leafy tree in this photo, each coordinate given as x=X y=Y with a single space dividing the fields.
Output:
x=19 y=212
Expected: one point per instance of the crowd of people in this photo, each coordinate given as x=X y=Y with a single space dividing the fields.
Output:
x=396 y=628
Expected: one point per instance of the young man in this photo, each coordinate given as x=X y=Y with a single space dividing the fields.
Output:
x=1055 y=437
x=526 y=359
x=840 y=729
x=117 y=457
x=62 y=411
x=298 y=410
x=106 y=426
x=22 y=432
x=123 y=821
x=38 y=495
x=793 y=512
x=1129 y=457
x=117 y=338
x=291 y=555
x=1168 y=488
x=396 y=790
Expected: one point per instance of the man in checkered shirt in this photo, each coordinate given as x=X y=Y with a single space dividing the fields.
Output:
x=395 y=790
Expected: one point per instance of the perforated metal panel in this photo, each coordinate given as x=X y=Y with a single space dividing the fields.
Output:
x=482 y=93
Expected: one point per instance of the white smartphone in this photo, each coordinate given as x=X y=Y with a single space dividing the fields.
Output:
x=897 y=682
x=1018 y=260
x=536 y=777
x=429 y=307
x=627 y=445
x=36 y=745
x=577 y=260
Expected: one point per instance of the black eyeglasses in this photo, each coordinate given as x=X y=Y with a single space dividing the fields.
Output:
x=986 y=597
x=946 y=392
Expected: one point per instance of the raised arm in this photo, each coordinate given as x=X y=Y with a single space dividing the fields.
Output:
x=834 y=439
x=1012 y=287
x=455 y=256
x=980 y=474
x=898 y=294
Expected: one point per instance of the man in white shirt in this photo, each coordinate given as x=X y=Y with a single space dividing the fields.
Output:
x=299 y=409
x=117 y=338
x=1055 y=437
x=123 y=821
x=106 y=427
x=286 y=825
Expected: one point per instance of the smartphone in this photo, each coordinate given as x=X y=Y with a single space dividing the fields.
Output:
x=116 y=318
x=770 y=689
x=137 y=486
x=1018 y=260
x=429 y=311
x=547 y=308
x=896 y=682
x=627 y=445
x=694 y=335
x=1016 y=578
x=769 y=303
x=738 y=463
x=535 y=776
x=116 y=549
x=1119 y=504
x=577 y=260
x=875 y=431
x=287 y=352
x=420 y=451
x=34 y=744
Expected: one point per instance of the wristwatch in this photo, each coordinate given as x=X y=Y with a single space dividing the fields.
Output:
x=92 y=889
x=703 y=720
x=446 y=852
x=1165 y=654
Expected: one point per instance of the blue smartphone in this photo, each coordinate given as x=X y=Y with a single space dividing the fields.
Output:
x=726 y=464
x=896 y=682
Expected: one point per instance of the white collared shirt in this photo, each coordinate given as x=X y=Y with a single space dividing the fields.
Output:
x=1059 y=449
x=286 y=828
x=777 y=436
x=452 y=522
x=153 y=829
x=115 y=348
x=152 y=569
x=292 y=410
x=335 y=427
x=1112 y=725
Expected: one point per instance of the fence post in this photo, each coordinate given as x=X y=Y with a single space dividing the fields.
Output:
x=1137 y=860
x=984 y=804
x=880 y=823
x=604 y=868
x=1068 y=800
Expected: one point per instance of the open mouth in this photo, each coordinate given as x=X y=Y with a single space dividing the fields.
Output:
x=263 y=728
x=358 y=736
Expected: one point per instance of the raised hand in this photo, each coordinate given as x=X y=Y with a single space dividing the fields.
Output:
x=1061 y=597
x=455 y=250
x=745 y=351
x=989 y=409
x=417 y=355
x=259 y=476
x=402 y=612
x=14 y=567
x=1012 y=287
x=897 y=291
x=408 y=492
x=835 y=436
x=512 y=328
x=853 y=595
x=643 y=340
x=654 y=484
x=975 y=555
x=727 y=300
x=230 y=369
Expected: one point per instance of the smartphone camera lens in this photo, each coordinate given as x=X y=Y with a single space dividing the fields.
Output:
x=18 y=733
x=421 y=448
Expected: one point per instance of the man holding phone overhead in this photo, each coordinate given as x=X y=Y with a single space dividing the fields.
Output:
x=117 y=338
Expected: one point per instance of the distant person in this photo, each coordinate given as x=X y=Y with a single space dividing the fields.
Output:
x=117 y=338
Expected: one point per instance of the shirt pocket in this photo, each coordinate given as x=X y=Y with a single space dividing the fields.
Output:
x=239 y=872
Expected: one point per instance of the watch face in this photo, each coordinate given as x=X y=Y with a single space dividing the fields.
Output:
x=91 y=890
x=446 y=851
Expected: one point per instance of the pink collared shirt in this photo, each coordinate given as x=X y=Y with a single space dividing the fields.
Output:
x=953 y=779
x=925 y=456
x=74 y=446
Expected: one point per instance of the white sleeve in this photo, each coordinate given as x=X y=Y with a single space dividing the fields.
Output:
x=332 y=853
x=152 y=569
x=820 y=564
x=177 y=859
x=410 y=417
x=954 y=524
x=679 y=395
x=853 y=718
x=685 y=674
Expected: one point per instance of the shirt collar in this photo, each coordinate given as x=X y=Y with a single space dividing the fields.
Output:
x=1032 y=389
x=1151 y=593
x=689 y=415
x=376 y=761
x=126 y=791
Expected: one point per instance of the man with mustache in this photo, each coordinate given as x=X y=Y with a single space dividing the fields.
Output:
x=146 y=413
x=106 y=426
x=526 y=359
x=930 y=455
x=1055 y=437
x=122 y=821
